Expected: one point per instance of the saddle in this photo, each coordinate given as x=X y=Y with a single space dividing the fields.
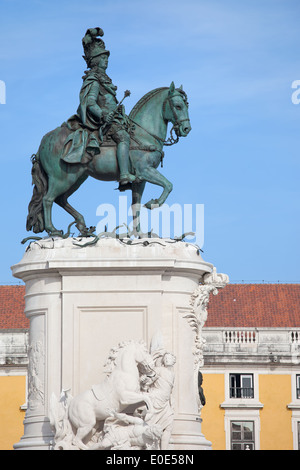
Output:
x=82 y=145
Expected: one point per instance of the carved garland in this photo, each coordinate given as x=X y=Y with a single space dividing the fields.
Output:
x=212 y=282
x=36 y=356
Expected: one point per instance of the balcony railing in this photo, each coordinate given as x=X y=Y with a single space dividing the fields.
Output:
x=295 y=337
x=239 y=336
x=263 y=345
x=241 y=392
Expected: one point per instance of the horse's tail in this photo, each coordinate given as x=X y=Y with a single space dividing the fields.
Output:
x=35 y=218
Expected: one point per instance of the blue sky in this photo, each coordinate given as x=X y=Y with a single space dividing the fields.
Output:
x=236 y=60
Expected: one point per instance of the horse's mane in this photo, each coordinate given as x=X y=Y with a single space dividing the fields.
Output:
x=149 y=95
x=114 y=353
x=144 y=100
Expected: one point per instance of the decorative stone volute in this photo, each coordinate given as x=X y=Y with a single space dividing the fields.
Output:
x=211 y=283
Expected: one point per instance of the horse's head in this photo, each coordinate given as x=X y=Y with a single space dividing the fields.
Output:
x=141 y=353
x=128 y=354
x=175 y=110
x=142 y=357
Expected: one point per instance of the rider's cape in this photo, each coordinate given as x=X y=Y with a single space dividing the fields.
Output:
x=83 y=142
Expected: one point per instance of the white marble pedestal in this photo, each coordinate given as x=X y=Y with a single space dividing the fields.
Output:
x=83 y=301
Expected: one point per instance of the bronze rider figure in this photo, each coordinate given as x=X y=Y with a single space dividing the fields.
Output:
x=99 y=110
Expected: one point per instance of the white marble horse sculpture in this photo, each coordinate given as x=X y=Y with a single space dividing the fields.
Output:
x=118 y=390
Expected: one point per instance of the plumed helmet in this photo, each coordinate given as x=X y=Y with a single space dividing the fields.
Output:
x=93 y=46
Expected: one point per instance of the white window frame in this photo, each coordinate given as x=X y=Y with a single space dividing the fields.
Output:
x=238 y=402
x=242 y=441
x=242 y=415
x=242 y=377
x=295 y=407
x=297 y=384
x=242 y=409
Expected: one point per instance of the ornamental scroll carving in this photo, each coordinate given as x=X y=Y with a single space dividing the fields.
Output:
x=211 y=283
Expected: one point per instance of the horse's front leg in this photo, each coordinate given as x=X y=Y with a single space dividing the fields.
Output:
x=153 y=176
x=131 y=398
x=137 y=192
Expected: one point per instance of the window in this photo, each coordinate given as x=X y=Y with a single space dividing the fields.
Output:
x=242 y=435
x=298 y=435
x=241 y=386
x=298 y=386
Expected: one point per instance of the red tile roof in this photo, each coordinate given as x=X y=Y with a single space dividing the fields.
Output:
x=237 y=305
x=12 y=307
x=255 y=305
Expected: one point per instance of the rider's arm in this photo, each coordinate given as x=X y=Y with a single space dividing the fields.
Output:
x=92 y=104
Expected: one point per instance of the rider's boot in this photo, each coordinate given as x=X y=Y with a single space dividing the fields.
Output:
x=123 y=161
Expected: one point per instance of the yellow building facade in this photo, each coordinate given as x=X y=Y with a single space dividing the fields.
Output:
x=252 y=386
x=251 y=372
x=271 y=418
x=12 y=409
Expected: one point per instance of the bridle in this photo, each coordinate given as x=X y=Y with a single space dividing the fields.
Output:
x=171 y=140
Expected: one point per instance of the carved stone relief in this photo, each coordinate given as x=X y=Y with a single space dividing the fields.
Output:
x=36 y=355
x=97 y=418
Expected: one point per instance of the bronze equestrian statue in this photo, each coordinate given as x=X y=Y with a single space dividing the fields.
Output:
x=101 y=141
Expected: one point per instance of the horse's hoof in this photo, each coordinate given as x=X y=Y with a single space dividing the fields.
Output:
x=153 y=204
x=87 y=232
x=91 y=231
x=56 y=233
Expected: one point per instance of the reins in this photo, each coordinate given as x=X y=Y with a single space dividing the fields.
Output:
x=171 y=140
